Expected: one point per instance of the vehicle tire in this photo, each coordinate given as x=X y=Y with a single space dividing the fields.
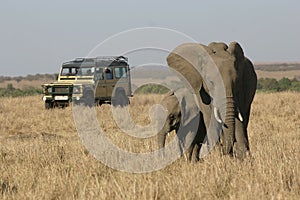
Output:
x=99 y=103
x=49 y=105
x=120 y=99
x=89 y=99
x=76 y=102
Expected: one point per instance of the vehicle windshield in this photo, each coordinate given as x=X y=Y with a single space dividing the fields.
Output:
x=77 y=71
x=69 y=71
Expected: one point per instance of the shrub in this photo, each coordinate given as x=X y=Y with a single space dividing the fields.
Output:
x=152 y=89
x=272 y=85
x=284 y=84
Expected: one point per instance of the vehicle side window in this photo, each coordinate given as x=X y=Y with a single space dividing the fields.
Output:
x=120 y=72
x=86 y=71
x=99 y=73
x=108 y=73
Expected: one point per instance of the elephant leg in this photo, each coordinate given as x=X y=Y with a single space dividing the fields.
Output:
x=241 y=146
x=196 y=152
x=189 y=152
x=185 y=150
x=198 y=140
x=180 y=145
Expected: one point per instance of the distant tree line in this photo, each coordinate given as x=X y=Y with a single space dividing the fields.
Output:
x=10 y=91
x=29 y=77
x=263 y=84
x=277 y=66
x=272 y=85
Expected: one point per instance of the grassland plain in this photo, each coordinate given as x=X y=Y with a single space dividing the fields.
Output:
x=41 y=156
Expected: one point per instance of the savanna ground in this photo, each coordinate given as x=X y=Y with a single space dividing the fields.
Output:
x=41 y=156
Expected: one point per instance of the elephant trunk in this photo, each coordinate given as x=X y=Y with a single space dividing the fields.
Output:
x=161 y=141
x=229 y=126
x=241 y=148
x=161 y=138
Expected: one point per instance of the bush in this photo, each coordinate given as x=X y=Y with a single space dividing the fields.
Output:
x=295 y=86
x=284 y=84
x=152 y=89
x=272 y=85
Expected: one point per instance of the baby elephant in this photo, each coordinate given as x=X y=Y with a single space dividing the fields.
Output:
x=184 y=117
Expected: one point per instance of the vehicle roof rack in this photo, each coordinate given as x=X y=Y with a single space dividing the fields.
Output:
x=112 y=58
x=99 y=58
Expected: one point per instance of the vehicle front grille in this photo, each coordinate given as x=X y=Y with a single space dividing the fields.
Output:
x=62 y=90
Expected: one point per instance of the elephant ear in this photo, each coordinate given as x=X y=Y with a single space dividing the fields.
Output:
x=184 y=59
x=236 y=50
x=249 y=78
x=249 y=82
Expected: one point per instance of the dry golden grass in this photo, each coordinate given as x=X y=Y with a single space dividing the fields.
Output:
x=41 y=157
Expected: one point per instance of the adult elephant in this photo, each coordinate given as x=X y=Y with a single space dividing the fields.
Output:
x=224 y=81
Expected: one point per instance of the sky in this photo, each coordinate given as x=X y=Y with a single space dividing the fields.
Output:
x=37 y=36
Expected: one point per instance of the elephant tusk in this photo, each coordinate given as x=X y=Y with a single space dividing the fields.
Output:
x=240 y=117
x=216 y=113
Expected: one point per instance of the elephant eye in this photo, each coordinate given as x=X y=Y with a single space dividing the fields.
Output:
x=171 y=116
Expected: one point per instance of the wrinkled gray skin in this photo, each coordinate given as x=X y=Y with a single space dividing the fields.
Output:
x=225 y=85
x=175 y=118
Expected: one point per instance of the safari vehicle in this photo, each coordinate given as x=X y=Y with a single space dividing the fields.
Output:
x=90 y=81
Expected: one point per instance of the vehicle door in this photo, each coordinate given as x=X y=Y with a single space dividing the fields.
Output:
x=110 y=81
x=100 y=82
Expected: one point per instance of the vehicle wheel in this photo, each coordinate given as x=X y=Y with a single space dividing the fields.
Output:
x=76 y=102
x=89 y=99
x=120 y=99
x=49 y=105
x=99 y=103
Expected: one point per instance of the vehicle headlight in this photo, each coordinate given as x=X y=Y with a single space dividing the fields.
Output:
x=44 y=90
x=49 y=90
x=76 y=89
